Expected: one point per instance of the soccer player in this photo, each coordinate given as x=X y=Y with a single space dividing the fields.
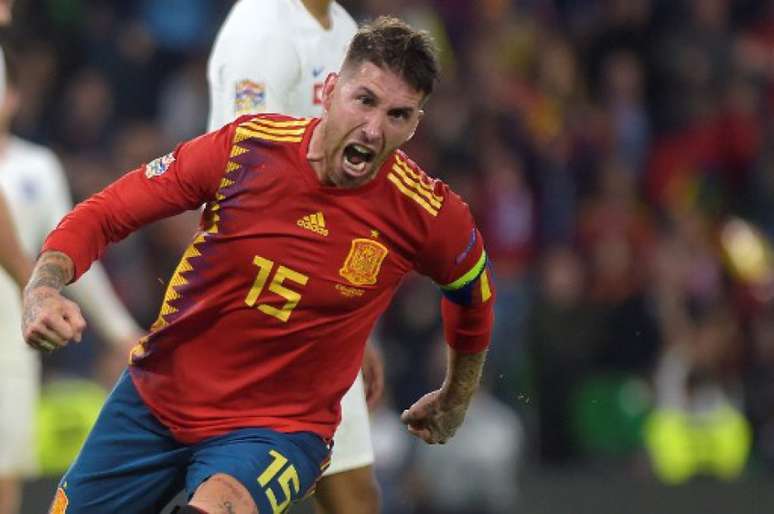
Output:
x=35 y=197
x=308 y=229
x=307 y=40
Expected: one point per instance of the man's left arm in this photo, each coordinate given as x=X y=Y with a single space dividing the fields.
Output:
x=436 y=416
x=467 y=328
x=455 y=257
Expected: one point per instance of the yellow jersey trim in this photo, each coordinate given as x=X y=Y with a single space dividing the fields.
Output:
x=261 y=134
x=281 y=124
x=412 y=194
x=427 y=186
x=275 y=131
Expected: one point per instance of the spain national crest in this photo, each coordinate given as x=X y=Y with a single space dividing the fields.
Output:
x=60 y=502
x=361 y=267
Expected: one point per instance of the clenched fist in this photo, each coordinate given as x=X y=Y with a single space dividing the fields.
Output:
x=432 y=420
x=50 y=320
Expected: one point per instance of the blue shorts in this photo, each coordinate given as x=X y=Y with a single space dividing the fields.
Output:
x=131 y=464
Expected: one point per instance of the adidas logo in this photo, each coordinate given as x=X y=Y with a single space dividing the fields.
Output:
x=314 y=222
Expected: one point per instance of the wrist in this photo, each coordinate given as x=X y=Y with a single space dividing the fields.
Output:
x=52 y=271
x=32 y=290
x=451 y=398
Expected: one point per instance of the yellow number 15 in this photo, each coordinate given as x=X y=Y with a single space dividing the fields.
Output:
x=281 y=274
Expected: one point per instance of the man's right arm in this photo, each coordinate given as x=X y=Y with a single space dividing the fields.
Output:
x=50 y=320
x=171 y=184
x=179 y=181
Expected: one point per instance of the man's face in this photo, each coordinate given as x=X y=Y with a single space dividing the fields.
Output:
x=370 y=111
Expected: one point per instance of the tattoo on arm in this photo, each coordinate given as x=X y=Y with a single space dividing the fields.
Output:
x=227 y=508
x=53 y=269
x=463 y=375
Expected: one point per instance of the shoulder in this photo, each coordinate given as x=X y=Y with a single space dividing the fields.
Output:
x=36 y=157
x=256 y=19
x=271 y=127
x=419 y=191
x=344 y=23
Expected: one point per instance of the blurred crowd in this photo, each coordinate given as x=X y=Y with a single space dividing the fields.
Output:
x=617 y=155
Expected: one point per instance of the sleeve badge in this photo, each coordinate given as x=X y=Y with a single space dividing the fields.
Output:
x=159 y=166
x=249 y=97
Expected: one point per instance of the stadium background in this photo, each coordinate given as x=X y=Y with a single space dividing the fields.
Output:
x=617 y=154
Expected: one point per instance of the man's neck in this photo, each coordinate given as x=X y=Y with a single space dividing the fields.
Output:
x=315 y=153
x=321 y=11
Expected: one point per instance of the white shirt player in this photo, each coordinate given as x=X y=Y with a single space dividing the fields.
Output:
x=36 y=191
x=273 y=56
x=34 y=186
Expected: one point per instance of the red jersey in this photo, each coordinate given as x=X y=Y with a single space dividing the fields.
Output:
x=265 y=319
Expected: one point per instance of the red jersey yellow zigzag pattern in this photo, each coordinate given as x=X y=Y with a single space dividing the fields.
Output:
x=289 y=131
x=415 y=185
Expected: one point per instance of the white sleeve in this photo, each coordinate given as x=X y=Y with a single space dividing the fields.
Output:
x=104 y=310
x=93 y=291
x=258 y=76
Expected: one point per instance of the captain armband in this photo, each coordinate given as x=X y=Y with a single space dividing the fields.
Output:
x=474 y=287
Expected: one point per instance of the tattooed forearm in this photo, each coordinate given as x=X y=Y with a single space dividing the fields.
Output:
x=462 y=376
x=53 y=269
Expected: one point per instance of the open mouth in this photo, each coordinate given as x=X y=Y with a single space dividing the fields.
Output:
x=356 y=158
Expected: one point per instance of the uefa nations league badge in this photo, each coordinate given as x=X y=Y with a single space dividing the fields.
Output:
x=158 y=166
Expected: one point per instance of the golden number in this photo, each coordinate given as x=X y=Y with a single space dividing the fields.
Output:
x=286 y=479
x=264 y=270
x=292 y=297
x=273 y=469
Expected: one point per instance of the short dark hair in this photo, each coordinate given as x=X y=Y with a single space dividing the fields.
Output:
x=391 y=43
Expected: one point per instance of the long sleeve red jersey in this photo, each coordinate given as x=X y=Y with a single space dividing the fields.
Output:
x=265 y=319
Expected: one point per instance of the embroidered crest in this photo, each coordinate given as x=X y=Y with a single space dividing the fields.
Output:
x=60 y=502
x=249 y=97
x=159 y=166
x=361 y=267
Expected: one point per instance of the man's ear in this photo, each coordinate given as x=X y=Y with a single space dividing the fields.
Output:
x=420 y=115
x=327 y=90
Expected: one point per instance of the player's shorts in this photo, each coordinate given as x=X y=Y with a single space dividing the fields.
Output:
x=19 y=390
x=131 y=464
x=352 y=446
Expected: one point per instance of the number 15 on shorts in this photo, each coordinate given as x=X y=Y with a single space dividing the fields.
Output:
x=281 y=472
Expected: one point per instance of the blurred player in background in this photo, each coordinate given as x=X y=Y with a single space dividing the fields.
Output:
x=16 y=264
x=6 y=10
x=33 y=185
x=309 y=227
x=273 y=56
